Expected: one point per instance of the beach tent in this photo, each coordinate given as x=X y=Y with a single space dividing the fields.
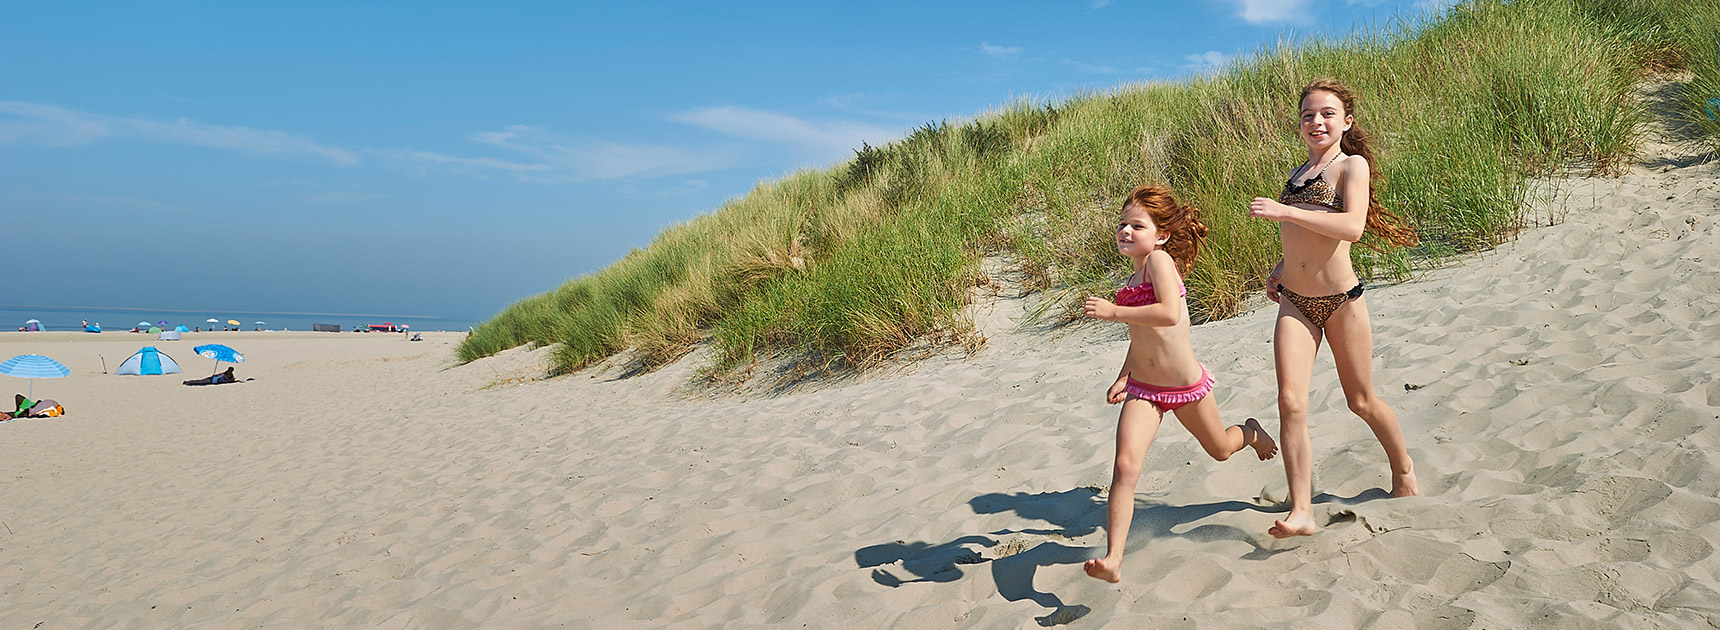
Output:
x=181 y=328
x=34 y=325
x=148 y=361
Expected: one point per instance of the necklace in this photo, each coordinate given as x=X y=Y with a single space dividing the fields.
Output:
x=1304 y=167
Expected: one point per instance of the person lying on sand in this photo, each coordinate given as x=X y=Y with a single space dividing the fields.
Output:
x=26 y=408
x=218 y=379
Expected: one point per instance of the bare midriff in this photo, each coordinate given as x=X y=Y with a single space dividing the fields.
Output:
x=1314 y=264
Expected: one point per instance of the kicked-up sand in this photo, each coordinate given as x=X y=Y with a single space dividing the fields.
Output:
x=1558 y=395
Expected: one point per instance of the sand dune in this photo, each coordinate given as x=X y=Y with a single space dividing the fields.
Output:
x=1558 y=394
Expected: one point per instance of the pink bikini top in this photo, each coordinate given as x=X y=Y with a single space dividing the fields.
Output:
x=1141 y=295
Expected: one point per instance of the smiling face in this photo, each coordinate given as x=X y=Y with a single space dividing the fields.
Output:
x=1324 y=119
x=1137 y=235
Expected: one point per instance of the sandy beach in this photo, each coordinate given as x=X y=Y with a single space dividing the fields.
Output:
x=1558 y=394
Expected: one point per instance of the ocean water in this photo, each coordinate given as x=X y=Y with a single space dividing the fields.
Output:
x=121 y=319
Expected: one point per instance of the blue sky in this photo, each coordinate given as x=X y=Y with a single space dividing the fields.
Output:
x=446 y=159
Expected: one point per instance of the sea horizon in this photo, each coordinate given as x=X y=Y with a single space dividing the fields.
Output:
x=115 y=319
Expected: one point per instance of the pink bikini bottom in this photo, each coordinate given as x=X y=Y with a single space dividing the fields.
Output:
x=1169 y=398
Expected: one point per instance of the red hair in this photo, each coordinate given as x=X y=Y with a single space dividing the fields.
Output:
x=1178 y=223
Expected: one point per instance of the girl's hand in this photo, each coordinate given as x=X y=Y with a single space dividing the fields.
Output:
x=1100 y=308
x=1268 y=209
x=1273 y=278
x=1119 y=391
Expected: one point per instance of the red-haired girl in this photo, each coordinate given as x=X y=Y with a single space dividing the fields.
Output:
x=1159 y=374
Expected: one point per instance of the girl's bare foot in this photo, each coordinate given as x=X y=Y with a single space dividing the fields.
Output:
x=1105 y=569
x=1296 y=525
x=1404 y=485
x=1263 y=444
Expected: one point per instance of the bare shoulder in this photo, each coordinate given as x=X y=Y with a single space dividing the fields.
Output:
x=1353 y=164
x=1162 y=269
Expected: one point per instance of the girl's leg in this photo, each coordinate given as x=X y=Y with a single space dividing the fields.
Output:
x=1352 y=338
x=1201 y=419
x=1294 y=344
x=1136 y=426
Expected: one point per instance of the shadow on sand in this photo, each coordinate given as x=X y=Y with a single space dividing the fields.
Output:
x=1015 y=559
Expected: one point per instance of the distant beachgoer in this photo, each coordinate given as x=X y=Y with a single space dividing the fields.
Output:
x=217 y=379
x=1160 y=372
x=1327 y=204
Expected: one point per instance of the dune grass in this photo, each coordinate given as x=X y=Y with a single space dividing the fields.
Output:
x=849 y=265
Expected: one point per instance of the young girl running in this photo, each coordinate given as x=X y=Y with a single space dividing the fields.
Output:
x=1327 y=204
x=1160 y=372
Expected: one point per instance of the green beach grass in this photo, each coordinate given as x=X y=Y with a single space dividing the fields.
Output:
x=847 y=266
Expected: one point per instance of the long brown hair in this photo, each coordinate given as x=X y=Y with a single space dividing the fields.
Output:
x=1382 y=223
x=1177 y=222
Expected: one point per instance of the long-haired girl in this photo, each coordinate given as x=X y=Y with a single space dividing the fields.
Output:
x=1327 y=204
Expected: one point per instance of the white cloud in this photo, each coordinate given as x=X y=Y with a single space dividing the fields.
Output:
x=1209 y=60
x=824 y=141
x=243 y=139
x=999 y=52
x=1263 y=11
x=35 y=123
x=59 y=127
x=577 y=159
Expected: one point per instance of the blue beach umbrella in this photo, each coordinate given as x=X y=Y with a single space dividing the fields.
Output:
x=33 y=366
x=219 y=353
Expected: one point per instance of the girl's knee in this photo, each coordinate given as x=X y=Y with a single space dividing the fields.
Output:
x=1218 y=453
x=1122 y=471
x=1366 y=405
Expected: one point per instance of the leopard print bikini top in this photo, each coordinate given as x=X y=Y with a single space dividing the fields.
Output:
x=1316 y=191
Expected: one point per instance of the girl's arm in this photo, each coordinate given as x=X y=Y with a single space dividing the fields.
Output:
x=1161 y=272
x=1347 y=225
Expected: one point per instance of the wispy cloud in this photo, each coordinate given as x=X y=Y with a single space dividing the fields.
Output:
x=1266 y=11
x=999 y=52
x=524 y=152
x=1099 y=4
x=824 y=141
x=35 y=123
x=567 y=158
x=1207 y=61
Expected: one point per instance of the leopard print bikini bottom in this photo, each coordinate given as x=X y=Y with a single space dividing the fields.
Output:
x=1319 y=309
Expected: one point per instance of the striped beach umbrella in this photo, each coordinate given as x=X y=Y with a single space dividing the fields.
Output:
x=33 y=366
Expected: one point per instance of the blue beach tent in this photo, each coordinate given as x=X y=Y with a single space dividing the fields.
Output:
x=148 y=361
x=181 y=328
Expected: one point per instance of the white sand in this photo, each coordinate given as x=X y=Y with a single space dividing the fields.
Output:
x=1558 y=394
